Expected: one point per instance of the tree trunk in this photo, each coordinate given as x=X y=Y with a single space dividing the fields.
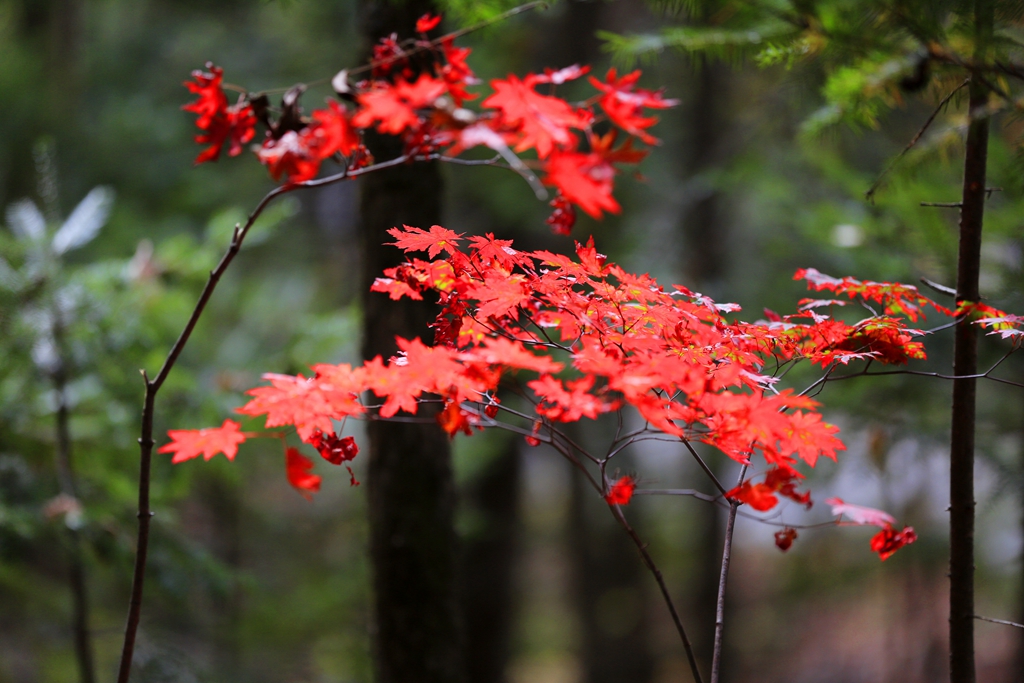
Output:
x=704 y=237
x=410 y=488
x=965 y=362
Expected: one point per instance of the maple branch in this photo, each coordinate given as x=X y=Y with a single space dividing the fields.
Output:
x=699 y=495
x=999 y=621
x=704 y=466
x=146 y=443
x=653 y=568
x=939 y=375
x=730 y=526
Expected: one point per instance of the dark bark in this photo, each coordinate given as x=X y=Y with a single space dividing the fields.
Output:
x=488 y=560
x=704 y=235
x=704 y=231
x=410 y=487
x=965 y=362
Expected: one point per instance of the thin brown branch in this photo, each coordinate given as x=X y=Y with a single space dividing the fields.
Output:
x=69 y=489
x=869 y=195
x=716 y=657
x=146 y=443
x=704 y=466
x=653 y=568
x=999 y=621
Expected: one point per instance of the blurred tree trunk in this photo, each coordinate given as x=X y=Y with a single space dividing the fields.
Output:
x=609 y=577
x=704 y=237
x=488 y=609
x=410 y=488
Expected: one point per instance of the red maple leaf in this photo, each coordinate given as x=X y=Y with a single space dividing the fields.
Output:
x=569 y=403
x=456 y=72
x=393 y=107
x=859 y=514
x=297 y=467
x=427 y=23
x=331 y=132
x=624 y=103
x=584 y=179
x=190 y=443
x=290 y=156
x=888 y=541
x=761 y=497
x=621 y=492
x=309 y=404
x=543 y=122
x=433 y=242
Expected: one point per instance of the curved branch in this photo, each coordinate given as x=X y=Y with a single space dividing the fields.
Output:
x=153 y=386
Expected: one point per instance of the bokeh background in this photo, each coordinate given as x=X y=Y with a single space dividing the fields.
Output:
x=249 y=581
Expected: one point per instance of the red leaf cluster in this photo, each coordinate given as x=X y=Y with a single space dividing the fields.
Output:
x=784 y=538
x=762 y=497
x=622 y=341
x=621 y=492
x=424 y=106
x=235 y=124
x=885 y=542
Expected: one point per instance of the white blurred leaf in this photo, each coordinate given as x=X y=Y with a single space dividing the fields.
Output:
x=25 y=220
x=85 y=221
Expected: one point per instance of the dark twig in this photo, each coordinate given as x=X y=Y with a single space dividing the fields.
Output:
x=704 y=466
x=999 y=621
x=910 y=145
x=940 y=288
x=716 y=657
x=69 y=489
x=653 y=568
x=146 y=443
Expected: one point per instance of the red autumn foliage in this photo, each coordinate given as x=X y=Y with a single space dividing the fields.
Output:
x=624 y=103
x=334 y=449
x=885 y=542
x=297 y=467
x=621 y=492
x=190 y=443
x=888 y=541
x=761 y=497
x=784 y=538
x=671 y=356
x=427 y=23
x=425 y=109
x=235 y=125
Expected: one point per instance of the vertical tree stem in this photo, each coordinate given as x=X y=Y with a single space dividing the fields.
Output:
x=716 y=657
x=965 y=362
x=76 y=563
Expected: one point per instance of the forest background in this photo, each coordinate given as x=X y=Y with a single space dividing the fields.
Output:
x=251 y=582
